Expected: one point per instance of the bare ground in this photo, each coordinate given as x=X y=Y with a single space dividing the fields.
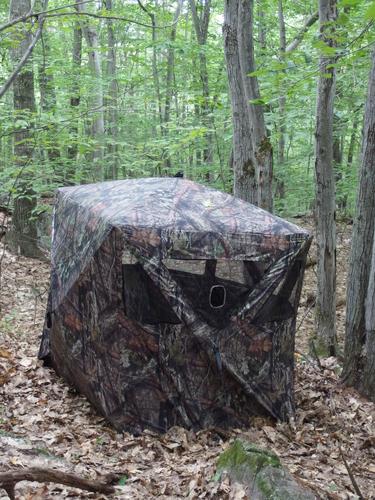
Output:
x=334 y=429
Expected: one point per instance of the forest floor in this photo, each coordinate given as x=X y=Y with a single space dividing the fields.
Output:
x=334 y=428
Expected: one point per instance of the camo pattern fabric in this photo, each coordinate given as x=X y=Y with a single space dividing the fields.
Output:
x=141 y=340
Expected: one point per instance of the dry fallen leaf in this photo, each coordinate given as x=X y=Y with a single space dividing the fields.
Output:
x=58 y=427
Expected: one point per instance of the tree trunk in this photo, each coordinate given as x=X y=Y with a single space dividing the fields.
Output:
x=23 y=235
x=201 y=31
x=74 y=99
x=155 y=71
x=325 y=188
x=112 y=101
x=170 y=79
x=356 y=364
x=368 y=381
x=97 y=125
x=261 y=27
x=282 y=99
x=48 y=101
x=46 y=83
x=352 y=141
x=261 y=144
x=243 y=154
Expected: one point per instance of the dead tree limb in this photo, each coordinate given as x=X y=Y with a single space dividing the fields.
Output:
x=25 y=56
x=9 y=479
x=35 y=15
x=299 y=37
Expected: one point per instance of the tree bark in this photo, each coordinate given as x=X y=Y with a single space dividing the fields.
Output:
x=170 y=79
x=243 y=153
x=261 y=144
x=155 y=71
x=97 y=125
x=358 y=320
x=261 y=27
x=282 y=99
x=48 y=100
x=352 y=141
x=23 y=235
x=46 y=82
x=201 y=31
x=368 y=381
x=325 y=188
x=112 y=101
x=75 y=97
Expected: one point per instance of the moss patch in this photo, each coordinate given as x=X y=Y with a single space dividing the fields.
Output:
x=241 y=453
x=261 y=472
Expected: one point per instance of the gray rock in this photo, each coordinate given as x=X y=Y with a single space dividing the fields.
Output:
x=261 y=473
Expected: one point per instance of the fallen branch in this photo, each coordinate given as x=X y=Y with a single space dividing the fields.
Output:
x=351 y=475
x=9 y=479
x=357 y=490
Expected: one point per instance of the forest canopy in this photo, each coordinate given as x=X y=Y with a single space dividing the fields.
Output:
x=130 y=89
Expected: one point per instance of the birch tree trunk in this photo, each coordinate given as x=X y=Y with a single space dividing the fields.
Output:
x=325 y=188
x=243 y=153
x=23 y=234
x=260 y=141
x=359 y=362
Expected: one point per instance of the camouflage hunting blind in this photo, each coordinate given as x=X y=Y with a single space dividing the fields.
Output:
x=173 y=304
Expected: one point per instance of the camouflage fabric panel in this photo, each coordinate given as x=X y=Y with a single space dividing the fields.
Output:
x=189 y=373
x=168 y=215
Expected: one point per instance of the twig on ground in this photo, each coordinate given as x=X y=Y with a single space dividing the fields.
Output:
x=351 y=475
x=9 y=479
x=333 y=411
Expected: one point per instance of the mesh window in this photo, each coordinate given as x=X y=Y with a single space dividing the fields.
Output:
x=232 y=270
x=189 y=266
x=213 y=287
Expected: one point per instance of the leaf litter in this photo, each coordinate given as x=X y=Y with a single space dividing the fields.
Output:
x=44 y=422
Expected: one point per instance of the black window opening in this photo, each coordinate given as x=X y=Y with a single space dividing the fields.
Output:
x=280 y=306
x=143 y=301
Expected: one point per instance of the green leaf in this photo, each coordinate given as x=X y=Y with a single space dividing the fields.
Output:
x=370 y=12
x=325 y=49
x=217 y=476
x=343 y=18
x=122 y=481
x=260 y=102
x=349 y=3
